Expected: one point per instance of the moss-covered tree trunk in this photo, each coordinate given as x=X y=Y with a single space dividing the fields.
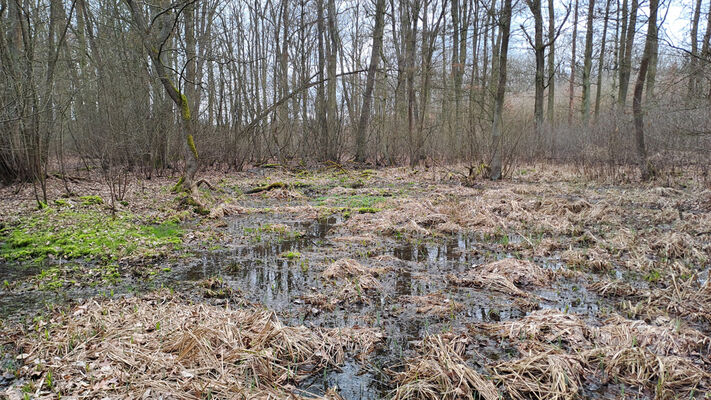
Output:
x=154 y=42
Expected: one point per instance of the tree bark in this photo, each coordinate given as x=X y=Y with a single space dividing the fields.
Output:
x=587 y=61
x=638 y=89
x=539 y=51
x=694 y=77
x=370 y=80
x=550 y=111
x=154 y=47
x=496 y=128
x=626 y=65
x=571 y=90
x=601 y=62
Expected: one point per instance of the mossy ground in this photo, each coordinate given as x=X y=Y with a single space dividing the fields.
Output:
x=85 y=232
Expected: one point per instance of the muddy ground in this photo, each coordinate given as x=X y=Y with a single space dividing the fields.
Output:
x=546 y=285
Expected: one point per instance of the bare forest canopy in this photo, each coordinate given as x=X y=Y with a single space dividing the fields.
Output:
x=146 y=86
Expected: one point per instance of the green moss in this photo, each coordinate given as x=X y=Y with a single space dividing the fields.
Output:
x=184 y=107
x=91 y=200
x=368 y=210
x=87 y=233
x=191 y=144
x=61 y=202
x=178 y=185
x=291 y=255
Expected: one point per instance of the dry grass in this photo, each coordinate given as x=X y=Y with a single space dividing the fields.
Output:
x=162 y=346
x=356 y=282
x=664 y=337
x=505 y=276
x=546 y=375
x=614 y=289
x=439 y=371
x=684 y=298
x=550 y=326
x=434 y=304
x=349 y=268
x=668 y=376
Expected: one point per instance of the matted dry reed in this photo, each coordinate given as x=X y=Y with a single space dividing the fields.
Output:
x=439 y=371
x=433 y=304
x=508 y=276
x=545 y=375
x=161 y=346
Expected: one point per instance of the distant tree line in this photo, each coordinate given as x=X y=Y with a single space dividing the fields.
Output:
x=147 y=86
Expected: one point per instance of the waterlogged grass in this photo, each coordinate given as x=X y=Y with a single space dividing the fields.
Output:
x=356 y=201
x=87 y=233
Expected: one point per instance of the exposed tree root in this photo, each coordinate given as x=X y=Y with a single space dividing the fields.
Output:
x=265 y=188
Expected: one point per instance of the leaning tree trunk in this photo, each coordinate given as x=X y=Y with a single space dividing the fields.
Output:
x=154 y=47
x=639 y=88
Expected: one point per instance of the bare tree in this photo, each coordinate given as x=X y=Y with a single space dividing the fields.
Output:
x=496 y=126
x=587 y=61
x=644 y=167
x=370 y=80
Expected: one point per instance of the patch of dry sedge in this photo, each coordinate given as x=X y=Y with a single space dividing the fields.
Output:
x=162 y=346
x=433 y=304
x=506 y=276
x=439 y=371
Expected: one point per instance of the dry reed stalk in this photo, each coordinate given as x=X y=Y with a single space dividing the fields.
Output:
x=435 y=304
x=163 y=346
x=505 y=276
x=665 y=337
x=440 y=372
x=668 y=376
x=550 y=326
x=547 y=375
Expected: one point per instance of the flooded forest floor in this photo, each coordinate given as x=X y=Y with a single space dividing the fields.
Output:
x=359 y=284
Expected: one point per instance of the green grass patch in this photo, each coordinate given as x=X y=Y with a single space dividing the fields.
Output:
x=85 y=233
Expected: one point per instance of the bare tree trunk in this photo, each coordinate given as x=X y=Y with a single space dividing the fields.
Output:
x=331 y=56
x=539 y=51
x=571 y=91
x=320 y=90
x=550 y=111
x=694 y=77
x=505 y=23
x=370 y=80
x=601 y=62
x=587 y=61
x=638 y=89
x=626 y=65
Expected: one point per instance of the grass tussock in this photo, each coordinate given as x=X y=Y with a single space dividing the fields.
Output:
x=433 y=304
x=543 y=375
x=665 y=336
x=549 y=326
x=164 y=347
x=506 y=276
x=439 y=371
x=354 y=279
x=668 y=376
